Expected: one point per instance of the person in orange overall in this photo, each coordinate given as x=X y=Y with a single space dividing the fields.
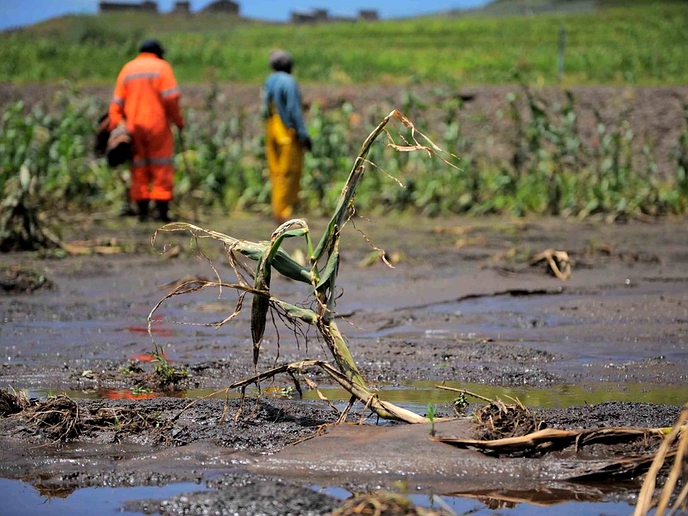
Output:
x=286 y=136
x=146 y=99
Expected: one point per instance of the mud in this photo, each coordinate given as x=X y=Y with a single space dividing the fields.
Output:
x=462 y=306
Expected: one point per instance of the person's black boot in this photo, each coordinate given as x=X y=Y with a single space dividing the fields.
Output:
x=162 y=211
x=143 y=210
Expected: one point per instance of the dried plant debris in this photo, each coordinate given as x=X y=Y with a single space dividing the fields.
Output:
x=674 y=493
x=123 y=419
x=383 y=503
x=58 y=417
x=546 y=440
x=550 y=261
x=12 y=402
x=498 y=420
x=558 y=262
x=19 y=279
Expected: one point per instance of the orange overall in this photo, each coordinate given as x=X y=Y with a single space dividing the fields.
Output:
x=147 y=97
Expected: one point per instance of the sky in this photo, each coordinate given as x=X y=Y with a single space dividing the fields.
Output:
x=17 y=13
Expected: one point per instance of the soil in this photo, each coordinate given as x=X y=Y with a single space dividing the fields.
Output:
x=463 y=305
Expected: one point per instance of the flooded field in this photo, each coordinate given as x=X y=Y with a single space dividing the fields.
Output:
x=463 y=307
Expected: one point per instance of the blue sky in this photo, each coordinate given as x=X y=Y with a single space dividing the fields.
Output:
x=16 y=13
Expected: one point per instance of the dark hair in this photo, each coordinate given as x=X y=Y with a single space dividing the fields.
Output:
x=152 y=46
x=281 y=61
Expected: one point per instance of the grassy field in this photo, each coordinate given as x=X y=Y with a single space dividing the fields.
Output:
x=634 y=43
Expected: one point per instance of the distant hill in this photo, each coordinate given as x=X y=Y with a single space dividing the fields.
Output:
x=501 y=8
x=530 y=8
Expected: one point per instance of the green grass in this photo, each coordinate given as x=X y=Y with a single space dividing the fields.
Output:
x=637 y=43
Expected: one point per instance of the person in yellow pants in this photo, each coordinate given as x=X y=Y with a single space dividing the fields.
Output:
x=286 y=137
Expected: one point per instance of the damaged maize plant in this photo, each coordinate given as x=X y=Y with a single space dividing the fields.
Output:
x=320 y=274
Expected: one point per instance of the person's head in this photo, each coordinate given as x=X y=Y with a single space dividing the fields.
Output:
x=152 y=46
x=281 y=61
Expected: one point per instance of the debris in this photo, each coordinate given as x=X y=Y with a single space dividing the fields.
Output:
x=380 y=256
x=550 y=439
x=468 y=241
x=498 y=420
x=384 y=503
x=455 y=230
x=20 y=279
x=12 y=403
x=58 y=416
x=674 y=445
x=558 y=261
x=87 y=247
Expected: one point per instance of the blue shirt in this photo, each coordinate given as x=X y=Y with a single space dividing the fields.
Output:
x=281 y=89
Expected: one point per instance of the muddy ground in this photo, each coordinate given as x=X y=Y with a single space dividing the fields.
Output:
x=463 y=305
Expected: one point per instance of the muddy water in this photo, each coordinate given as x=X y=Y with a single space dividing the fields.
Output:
x=450 y=312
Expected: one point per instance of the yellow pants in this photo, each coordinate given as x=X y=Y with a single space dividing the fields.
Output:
x=285 y=161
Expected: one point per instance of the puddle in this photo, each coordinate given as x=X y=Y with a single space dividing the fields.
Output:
x=22 y=499
x=488 y=506
x=417 y=395
x=507 y=504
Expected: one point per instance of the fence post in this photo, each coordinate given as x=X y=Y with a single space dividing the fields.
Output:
x=562 y=50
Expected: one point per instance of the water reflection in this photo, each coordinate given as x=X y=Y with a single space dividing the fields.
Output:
x=23 y=499
x=417 y=395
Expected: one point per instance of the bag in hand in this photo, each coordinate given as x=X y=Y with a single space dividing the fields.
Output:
x=118 y=150
x=102 y=135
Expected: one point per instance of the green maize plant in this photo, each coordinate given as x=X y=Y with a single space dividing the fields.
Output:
x=320 y=274
x=550 y=165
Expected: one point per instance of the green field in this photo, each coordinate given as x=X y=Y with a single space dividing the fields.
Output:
x=634 y=43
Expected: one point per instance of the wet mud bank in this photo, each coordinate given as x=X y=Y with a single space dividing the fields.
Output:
x=463 y=306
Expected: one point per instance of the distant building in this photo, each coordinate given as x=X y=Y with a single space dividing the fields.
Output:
x=320 y=15
x=149 y=7
x=323 y=15
x=182 y=8
x=368 y=15
x=222 y=6
x=301 y=17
